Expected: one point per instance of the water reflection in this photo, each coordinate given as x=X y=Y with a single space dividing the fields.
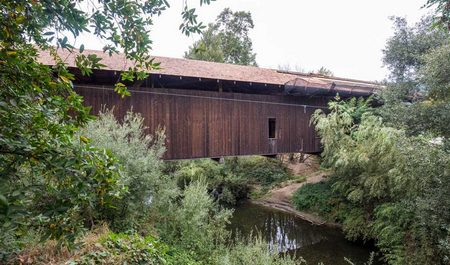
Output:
x=289 y=234
x=286 y=233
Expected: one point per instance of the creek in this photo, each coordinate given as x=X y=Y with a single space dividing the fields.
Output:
x=287 y=233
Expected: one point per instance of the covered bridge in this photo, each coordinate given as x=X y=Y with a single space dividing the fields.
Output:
x=213 y=109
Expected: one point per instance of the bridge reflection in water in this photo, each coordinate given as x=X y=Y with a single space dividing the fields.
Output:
x=287 y=233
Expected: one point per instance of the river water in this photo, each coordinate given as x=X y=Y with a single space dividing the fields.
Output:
x=287 y=233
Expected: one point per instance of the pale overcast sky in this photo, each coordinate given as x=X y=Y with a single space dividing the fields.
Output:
x=345 y=36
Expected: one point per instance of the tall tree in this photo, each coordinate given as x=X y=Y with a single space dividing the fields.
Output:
x=208 y=48
x=404 y=50
x=47 y=177
x=435 y=73
x=417 y=57
x=387 y=186
x=391 y=173
x=443 y=12
x=227 y=40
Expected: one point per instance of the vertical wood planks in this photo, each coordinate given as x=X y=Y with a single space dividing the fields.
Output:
x=212 y=124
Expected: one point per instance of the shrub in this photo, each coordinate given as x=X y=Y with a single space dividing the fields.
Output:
x=130 y=249
x=259 y=169
x=389 y=186
x=140 y=157
x=254 y=251
x=314 y=197
x=195 y=223
x=62 y=196
x=230 y=182
x=101 y=246
x=224 y=185
x=200 y=169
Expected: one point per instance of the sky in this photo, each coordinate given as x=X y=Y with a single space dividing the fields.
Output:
x=345 y=36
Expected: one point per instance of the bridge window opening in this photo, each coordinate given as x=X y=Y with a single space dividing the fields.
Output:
x=272 y=128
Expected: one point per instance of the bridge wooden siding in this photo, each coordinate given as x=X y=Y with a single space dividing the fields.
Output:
x=215 y=124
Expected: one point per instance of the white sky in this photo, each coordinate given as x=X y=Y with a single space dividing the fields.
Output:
x=345 y=36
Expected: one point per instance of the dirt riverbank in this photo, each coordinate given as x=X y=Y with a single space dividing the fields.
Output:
x=280 y=197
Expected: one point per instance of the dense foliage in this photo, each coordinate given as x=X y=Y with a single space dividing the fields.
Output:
x=434 y=73
x=130 y=248
x=254 y=251
x=139 y=154
x=404 y=51
x=49 y=179
x=101 y=246
x=416 y=98
x=389 y=186
x=52 y=182
x=226 y=41
x=442 y=18
x=317 y=198
x=261 y=170
x=185 y=217
x=165 y=214
x=391 y=180
x=231 y=181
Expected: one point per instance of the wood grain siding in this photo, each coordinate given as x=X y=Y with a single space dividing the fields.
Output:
x=214 y=124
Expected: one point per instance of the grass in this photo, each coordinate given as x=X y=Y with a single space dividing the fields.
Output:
x=299 y=178
x=257 y=192
x=49 y=252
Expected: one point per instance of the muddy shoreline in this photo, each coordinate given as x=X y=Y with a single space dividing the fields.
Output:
x=279 y=198
x=289 y=208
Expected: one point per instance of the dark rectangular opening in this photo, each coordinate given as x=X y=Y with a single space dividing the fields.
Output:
x=272 y=128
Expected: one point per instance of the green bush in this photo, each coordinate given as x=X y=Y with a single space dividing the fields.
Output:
x=140 y=157
x=200 y=169
x=314 y=197
x=195 y=223
x=255 y=252
x=223 y=184
x=62 y=196
x=258 y=169
x=230 y=182
x=389 y=186
x=122 y=248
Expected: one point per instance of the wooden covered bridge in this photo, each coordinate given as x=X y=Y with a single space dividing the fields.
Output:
x=214 y=110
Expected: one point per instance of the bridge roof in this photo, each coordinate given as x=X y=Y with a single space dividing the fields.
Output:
x=221 y=71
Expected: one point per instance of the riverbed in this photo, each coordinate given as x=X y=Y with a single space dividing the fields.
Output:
x=287 y=233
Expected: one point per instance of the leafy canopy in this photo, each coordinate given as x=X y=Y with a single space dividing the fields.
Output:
x=50 y=179
x=417 y=95
x=404 y=50
x=442 y=17
x=123 y=25
x=227 y=40
x=391 y=180
x=387 y=186
x=435 y=73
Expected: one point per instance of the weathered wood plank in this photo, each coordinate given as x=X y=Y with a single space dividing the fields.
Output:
x=214 y=124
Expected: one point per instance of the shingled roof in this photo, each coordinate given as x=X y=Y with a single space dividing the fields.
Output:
x=221 y=71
